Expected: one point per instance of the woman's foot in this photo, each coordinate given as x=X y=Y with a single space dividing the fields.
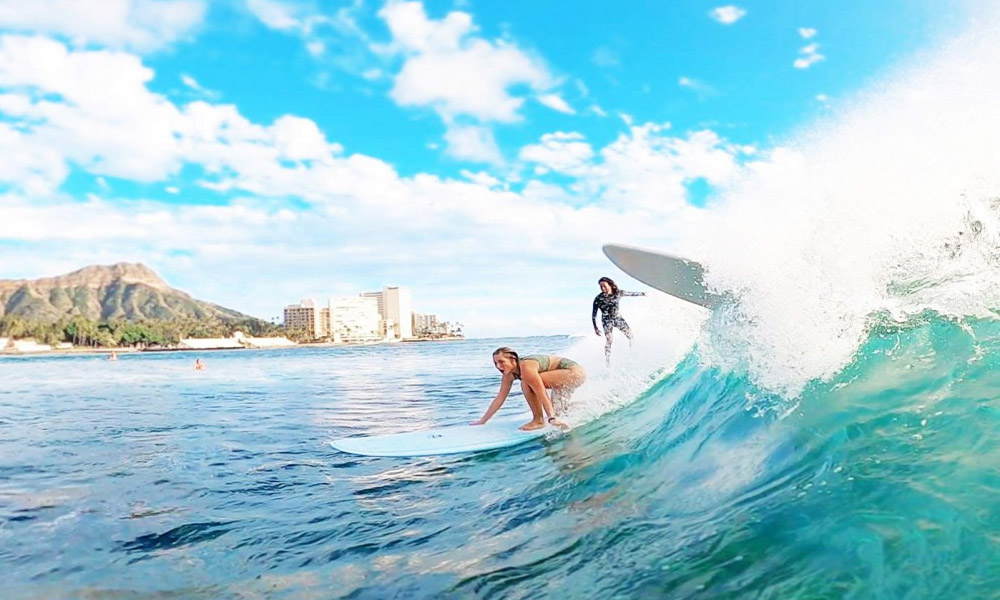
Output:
x=531 y=425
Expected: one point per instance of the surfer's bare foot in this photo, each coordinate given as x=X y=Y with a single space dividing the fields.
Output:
x=530 y=425
x=558 y=423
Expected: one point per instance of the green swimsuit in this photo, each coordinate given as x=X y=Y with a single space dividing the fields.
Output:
x=543 y=362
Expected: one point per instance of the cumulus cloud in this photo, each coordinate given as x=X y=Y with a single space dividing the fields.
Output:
x=138 y=25
x=88 y=107
x=645 y=169
x=727 y=15
x=448 y=68
x=806 y=32
x=808 y=56
x=561 y=152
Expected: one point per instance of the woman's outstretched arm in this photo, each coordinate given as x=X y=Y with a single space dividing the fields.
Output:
x=505 y=383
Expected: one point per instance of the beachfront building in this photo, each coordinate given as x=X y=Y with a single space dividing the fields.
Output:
x=395 y=308
x=355 y=319
x=307 y=317
x=424 y=325
x=377 y=296
x=428 y=326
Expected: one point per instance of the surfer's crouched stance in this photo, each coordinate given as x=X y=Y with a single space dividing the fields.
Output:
x=607 y=303
x=537 y=374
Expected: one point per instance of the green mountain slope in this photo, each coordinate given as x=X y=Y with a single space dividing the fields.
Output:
x=124 y=291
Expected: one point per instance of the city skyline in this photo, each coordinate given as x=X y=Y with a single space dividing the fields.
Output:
x=366 y=317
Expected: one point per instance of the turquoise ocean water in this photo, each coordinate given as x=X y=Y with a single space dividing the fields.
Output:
x=145 y=479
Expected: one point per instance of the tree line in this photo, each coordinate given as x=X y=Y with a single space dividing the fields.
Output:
x=81 y=331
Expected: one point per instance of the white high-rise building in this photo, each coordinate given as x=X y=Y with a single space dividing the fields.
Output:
x=395 y=305
x=355 y=319
x=399 y=308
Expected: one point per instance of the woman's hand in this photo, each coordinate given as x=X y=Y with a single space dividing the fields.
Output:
x=479 y=422
x=597 y=332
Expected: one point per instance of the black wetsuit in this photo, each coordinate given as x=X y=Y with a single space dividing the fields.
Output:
x=610 y=319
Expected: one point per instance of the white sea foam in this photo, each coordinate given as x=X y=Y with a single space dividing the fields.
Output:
x=664 y=331
x=887 y=207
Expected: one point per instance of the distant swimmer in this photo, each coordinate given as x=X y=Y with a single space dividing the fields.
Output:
x=113 y=355
x=198 y=365
x=607 y=303
x=537 y=374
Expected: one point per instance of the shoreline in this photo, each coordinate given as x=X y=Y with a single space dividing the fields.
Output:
x=130 y=350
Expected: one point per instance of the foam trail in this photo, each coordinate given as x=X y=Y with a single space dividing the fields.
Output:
x=664 y=331
x=887 y=209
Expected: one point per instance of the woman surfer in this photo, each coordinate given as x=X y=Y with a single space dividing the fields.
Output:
x=538 y=373
x=607 y=303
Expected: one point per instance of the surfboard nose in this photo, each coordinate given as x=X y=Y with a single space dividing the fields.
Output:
x=675 y=275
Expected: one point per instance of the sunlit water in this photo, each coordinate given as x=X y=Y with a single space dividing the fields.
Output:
x=143 y=478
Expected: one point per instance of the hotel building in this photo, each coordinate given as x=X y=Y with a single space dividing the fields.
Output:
x=355 y=319
x=395 y=306
x=306 y=317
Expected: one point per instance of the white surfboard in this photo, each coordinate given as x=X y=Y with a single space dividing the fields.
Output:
x=498 y=432
x=679 y=277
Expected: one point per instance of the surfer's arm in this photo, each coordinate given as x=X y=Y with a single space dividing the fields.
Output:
x=505 y=384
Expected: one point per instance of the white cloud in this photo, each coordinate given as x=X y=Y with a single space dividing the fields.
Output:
x=481 y=178
x=448 y=68
x=139 y=25
x=806 y=32
x=190 y=82
x=316 y=47
x=561 y=152
x=727 y=15
x=332 y=37
x=276 y=15
x=472 y=143
x=104 y=118
x=454 y=72
x=556 y=103
x=647 y=169
x=36 y=168
x=808 y=56
x=702 y=89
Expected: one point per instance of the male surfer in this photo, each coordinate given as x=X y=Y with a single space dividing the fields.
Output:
x=537 y=373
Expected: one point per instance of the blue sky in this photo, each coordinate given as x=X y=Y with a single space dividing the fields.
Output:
x=255 y=152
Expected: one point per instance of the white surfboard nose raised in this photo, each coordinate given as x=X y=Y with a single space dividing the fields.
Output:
x=680 y=277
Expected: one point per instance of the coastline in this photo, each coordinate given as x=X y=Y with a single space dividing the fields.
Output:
x=133 y=350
